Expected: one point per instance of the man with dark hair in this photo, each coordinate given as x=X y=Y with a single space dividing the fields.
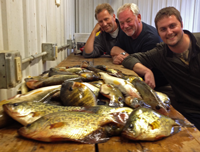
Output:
x=178 y=58
x=109 y=27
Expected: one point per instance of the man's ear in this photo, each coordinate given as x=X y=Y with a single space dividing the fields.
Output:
x=114 y=16
x=139 y=17
x=181 y=24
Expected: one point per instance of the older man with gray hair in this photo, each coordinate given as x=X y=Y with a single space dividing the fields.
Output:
x=135 y=36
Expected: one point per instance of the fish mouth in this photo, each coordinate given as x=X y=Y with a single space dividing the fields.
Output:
x=22 y=131
x=9 y=110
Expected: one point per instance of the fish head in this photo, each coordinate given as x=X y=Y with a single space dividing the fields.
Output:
x=132 y=129
x=18 y=109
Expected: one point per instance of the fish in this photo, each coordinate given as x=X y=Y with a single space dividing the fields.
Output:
x=124 y=86
x=164 y=98
x=38 y=95
x=70 y=126
x=149 y=96
x=59 y=71
x=77 y=94
x=53 y=80
x=90 y=76
x=149 y=125
x=135 y=102
x=97 y=83
x=114 y=94
x=130 y=78
x=28 y=112
x=93 y=88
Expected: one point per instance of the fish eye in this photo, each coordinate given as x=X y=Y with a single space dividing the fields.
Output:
x=70 y=89
x=131 y=126
x=158 y=107
x=28 y=125
x=15 y=104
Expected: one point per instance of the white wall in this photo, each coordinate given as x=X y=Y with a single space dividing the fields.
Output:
x=26 y=24
x=189 y=9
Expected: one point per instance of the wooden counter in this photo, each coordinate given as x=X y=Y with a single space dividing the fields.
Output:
x=187 y=140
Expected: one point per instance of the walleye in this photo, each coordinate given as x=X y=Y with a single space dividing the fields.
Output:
x=38 y=95
x=53 y=80
x=146 y=124
x=77 y=94
x=124 y=86
x=28 y=112
x=149 y=96
x=70 y=126
x=114 y=94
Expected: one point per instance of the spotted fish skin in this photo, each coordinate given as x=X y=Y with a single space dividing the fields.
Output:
x=69 y=126
x=147 y=124
x=28 y=112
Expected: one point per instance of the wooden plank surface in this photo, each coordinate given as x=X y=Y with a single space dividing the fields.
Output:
x=187 y=140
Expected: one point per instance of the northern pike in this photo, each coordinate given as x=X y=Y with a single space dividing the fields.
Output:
x=70 y=126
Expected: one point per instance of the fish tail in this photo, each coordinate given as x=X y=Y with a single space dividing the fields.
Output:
x=182 y=123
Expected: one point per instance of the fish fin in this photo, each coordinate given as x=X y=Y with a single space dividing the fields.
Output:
x=120 y=117
x=38 y=113
x=98 y=136
x=57 y=125
x=175 y=130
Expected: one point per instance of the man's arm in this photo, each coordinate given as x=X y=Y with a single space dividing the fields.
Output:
x=89 y=46
x=141 y=70
x=117 y=56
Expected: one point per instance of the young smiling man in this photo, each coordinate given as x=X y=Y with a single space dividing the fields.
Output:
x=178 y=58
x=109 y=27
x=135 y=36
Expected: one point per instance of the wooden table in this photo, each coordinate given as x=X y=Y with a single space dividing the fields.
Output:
x=187 y=140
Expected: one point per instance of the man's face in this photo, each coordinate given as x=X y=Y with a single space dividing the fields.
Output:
x=129 y=22
x=170 y=30
x=106 y=21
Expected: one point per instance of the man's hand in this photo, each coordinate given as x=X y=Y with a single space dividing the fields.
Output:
x=149 y=79
x=119 y=58
x=146 y=72
x=97 y=28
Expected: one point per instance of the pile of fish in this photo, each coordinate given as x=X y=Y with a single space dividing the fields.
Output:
x=89 y=104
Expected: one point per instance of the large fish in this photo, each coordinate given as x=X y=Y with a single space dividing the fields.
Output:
x=124 y=86
x=38 y=95
x=53 y=80
x=114 y=94
x=70 y=126
x=27 y=112
x=77 y=94
x=147 y=124
x=149 y=96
